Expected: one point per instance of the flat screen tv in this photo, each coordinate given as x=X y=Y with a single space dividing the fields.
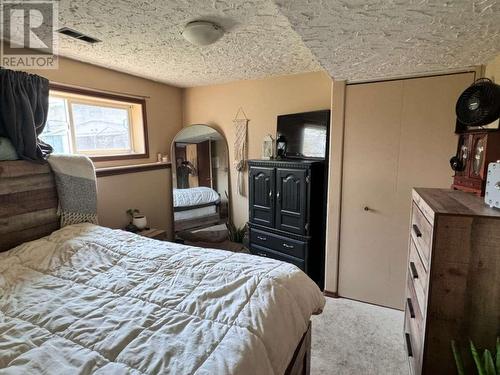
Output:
x=306 y=134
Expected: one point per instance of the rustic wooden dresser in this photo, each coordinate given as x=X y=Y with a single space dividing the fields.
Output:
x=453 y=282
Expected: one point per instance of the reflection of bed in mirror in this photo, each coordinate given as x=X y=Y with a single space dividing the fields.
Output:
x=200 y=178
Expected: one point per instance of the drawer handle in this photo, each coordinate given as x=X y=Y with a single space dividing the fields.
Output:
x=262 y=238
x=417 y=231
x=413 y=270
x=410 y=308
x=262 y=254
x=408 y=345
x=288 y=246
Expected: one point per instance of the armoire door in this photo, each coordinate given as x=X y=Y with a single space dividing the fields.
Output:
x=291 y=200
x=262 y=190
x=398 y=135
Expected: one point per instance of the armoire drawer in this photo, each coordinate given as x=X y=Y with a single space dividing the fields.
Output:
x=281 y=244
x=268 y=253
x=421 y=233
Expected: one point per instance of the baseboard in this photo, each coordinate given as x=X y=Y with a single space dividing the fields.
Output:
x=330 y=294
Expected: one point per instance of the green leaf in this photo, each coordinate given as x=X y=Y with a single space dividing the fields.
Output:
x=458 y=358
x=489 y=366
x=477 y=359
x=498 y=356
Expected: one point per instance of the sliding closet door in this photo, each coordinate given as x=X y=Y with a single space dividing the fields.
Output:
x=371 y=238
x=192 y=157
x=398 y=135
x=204 y=164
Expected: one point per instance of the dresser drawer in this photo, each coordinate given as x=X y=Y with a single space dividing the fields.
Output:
x=423 y=206
x=413 y=350
x=419 y=276
x=421 y=233
x=268 y=253
x=281 y=244
x=415 y=313
x=414 y=329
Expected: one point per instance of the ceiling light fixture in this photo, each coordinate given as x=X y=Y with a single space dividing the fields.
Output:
x=202 y=33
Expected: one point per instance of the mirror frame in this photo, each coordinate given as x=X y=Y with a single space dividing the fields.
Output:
x=173 y=161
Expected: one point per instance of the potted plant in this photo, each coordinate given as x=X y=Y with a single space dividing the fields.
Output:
x=487 y=364
x=137 y=219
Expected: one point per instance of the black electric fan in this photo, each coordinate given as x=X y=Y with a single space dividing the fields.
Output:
x=479 y=104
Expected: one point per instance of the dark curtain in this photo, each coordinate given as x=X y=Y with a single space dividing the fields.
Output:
x=24 y=104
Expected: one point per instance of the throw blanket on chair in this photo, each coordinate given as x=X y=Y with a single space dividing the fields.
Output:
x=76 y=188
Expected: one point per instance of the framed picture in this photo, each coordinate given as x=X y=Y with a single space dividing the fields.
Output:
x=268 y=147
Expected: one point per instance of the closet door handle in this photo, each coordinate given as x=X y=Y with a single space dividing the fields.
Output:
x=413 y=270
x=411 y=310
x=417 y=231
x=408 y=345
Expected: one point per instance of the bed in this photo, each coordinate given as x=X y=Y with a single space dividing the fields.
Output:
x=89 y=299
x=195 y=207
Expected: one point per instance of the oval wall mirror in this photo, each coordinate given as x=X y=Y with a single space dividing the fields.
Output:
x=200 y=171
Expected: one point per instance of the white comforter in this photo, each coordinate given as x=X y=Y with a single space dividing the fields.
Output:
x=194 y=196
x=89 y=299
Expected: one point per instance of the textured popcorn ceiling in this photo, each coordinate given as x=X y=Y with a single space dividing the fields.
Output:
x=351 y=39
x=143 y=38
x=367 y=39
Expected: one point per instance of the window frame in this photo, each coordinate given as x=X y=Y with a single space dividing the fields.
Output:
x=104 y=95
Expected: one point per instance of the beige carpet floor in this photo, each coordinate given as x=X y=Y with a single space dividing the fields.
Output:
x=354 y=338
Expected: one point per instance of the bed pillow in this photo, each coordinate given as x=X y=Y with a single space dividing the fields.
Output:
x=7 y=150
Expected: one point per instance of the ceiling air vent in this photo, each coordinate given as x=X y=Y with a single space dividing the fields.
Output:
x=78 y=35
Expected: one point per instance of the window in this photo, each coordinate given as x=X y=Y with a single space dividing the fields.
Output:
x=314 y=140
x=102 y=126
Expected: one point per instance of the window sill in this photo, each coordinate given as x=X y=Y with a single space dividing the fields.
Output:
x=125 y=169
x=119 y=157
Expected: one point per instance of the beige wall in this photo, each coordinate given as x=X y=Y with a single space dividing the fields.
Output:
x=335 y=185
x=262 y=100
x=493 y=70
x=150 y=191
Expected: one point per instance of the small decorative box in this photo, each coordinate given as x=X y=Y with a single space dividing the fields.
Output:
x=492 y=196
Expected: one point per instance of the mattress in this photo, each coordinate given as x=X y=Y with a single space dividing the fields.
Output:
x=195 y=196
x=195 y=213
x=88 y=299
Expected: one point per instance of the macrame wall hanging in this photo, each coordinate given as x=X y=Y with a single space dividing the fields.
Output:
x=240 y=146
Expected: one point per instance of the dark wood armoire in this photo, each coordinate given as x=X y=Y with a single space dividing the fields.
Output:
x=287 y=213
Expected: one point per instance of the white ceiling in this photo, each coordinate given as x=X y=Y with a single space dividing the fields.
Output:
x=367 y=39
x=143 y=38
x=351 y=39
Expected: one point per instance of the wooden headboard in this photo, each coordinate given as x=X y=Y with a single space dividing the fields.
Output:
x=28 y=202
